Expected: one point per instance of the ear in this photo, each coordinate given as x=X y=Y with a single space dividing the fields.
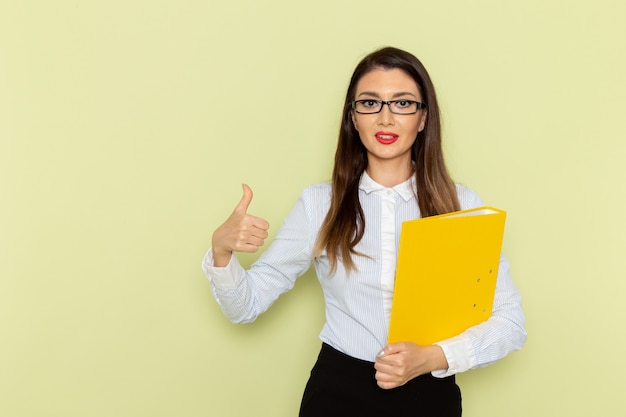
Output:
x=354 y=121
x=423 y=121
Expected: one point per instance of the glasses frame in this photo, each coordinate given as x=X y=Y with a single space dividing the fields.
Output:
x=388 y=103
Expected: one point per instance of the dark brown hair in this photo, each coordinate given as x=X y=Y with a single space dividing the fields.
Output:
x=344 y=224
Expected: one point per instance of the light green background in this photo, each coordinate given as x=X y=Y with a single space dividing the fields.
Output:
x=127 y=127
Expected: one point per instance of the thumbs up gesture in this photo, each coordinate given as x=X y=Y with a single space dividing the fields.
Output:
x=241 y=232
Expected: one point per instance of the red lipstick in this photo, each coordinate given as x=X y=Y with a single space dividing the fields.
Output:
x=386 y=138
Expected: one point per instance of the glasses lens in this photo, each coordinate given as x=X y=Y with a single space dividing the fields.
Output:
x=367 y=106
x=403 y=106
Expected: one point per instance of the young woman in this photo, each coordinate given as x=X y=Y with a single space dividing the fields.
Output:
x=389 y=168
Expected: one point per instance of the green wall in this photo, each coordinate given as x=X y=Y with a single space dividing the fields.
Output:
x=127 y=127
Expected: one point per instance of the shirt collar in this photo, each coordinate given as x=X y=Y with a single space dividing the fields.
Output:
x=404 y=189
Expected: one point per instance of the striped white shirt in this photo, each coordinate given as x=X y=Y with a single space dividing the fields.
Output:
x=358 y=305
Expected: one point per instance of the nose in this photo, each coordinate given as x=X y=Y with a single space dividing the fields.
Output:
x=385 y=116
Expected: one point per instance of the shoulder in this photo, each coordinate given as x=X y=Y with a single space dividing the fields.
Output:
x=468 y=198
x=314 y=202
x=318 y=192
x=316 y=198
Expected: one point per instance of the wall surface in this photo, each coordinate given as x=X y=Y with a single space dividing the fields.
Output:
x=127 y=128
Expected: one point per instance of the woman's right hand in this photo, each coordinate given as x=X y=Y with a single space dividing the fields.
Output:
x=241 y=232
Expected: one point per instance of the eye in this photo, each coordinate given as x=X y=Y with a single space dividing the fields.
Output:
x=403 y=104
x=369 y=103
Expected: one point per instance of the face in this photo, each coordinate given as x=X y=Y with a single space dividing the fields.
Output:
x=388 y=137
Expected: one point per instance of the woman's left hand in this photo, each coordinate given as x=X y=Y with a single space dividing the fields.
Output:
x=398 y=363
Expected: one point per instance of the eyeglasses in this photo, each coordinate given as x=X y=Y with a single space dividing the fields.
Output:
x=395 y=106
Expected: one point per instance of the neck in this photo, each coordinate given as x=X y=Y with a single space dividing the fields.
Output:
x=389 y=173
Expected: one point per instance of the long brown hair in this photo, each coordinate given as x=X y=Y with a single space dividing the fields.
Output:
x=344 y=225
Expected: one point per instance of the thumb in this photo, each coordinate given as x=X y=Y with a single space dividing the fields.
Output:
x=390 y=349
x=242 y=206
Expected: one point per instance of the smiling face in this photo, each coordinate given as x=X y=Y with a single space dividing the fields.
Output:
x=388 y=137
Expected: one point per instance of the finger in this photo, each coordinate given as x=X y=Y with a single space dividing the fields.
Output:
x=386 y=381
x=259 y=233
x=387 y=350
x=246 y=247
x=253 y=240
x=387 y=366
x=383 y=369
x=260 y=224
x=253 y=225
x=251 y=235
x=396 y=348
x=388 y=385
x=242 y=206
x=385 y=377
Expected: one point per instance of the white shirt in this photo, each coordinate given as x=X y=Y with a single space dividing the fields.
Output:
x=358 y=305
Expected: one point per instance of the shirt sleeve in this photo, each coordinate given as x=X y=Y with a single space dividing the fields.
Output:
x=244 y=295
x=493 y=339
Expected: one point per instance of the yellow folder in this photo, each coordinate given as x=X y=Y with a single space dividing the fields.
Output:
x=446 y=274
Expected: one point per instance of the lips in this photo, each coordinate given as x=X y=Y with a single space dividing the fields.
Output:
x=386 y=138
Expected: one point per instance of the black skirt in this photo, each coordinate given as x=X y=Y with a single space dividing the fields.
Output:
x=343 y=386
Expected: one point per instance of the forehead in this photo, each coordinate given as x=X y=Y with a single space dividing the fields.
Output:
x=386 y=83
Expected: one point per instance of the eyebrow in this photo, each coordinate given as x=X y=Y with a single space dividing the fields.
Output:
x=396 y=95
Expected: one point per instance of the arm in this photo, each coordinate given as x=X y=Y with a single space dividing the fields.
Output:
x=501 y=334
x=243 y=295
x=493 y=339
x=478 y=346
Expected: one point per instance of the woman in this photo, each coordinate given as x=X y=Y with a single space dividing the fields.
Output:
x=389 y=168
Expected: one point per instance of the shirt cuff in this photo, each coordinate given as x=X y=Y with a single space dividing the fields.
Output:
x=224 y=278
x=460 y=355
